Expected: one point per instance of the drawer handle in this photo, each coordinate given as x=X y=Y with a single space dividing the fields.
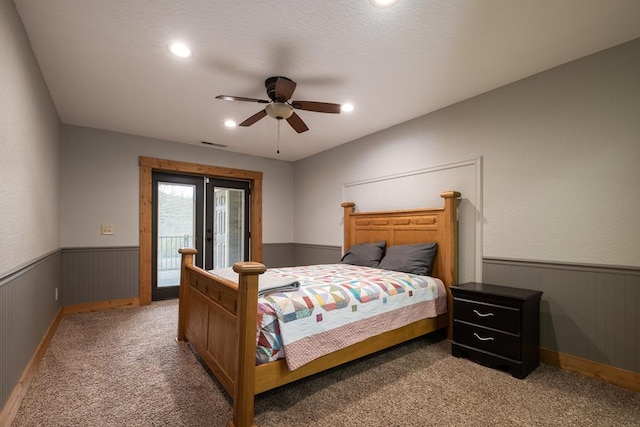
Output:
x=483 y=339
x=482 y=314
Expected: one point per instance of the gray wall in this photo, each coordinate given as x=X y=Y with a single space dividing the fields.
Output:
x=29 y=151
x=29 y=202
x=560 y=168
x=560 y=176
x=100 y=185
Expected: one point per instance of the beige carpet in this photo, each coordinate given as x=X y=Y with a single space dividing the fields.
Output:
x=124 y=368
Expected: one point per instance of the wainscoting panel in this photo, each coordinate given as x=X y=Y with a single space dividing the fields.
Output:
x=586 y=311
x=316 y=254
x=100 y=274
x=92 y=275
x=276 y=255
x=6 y=381
x=27 y=308
x=292 y=254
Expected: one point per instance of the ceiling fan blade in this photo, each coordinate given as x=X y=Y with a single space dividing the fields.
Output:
x=240 y=98
x=251 y=120
x=319 y=107
x=284 y=89
x=296 y=123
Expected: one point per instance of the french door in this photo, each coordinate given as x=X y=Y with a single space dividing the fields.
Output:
x=209 y=214
x=178 y=202
x=227 y=230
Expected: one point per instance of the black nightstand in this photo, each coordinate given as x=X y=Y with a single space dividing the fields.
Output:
x=497 y=326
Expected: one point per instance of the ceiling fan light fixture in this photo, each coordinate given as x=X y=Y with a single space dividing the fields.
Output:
x=279 y=91
x=279 y=110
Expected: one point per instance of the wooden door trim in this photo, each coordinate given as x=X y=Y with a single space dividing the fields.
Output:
x=147 y=166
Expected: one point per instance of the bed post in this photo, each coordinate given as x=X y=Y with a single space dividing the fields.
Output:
x=348 y=208
x=450 y=275
x=187 y=260
x=245 y=381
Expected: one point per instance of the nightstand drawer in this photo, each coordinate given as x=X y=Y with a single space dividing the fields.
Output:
x=497 y=342
x=489 y=315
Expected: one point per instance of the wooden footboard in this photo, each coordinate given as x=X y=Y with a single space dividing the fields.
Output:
x=218 y=316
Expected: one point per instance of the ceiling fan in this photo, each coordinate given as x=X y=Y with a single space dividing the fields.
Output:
x=279 y=90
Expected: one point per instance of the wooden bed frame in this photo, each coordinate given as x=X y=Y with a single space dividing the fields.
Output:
x=219 y=317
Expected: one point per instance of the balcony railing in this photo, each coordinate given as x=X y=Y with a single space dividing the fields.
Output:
x=168 y=256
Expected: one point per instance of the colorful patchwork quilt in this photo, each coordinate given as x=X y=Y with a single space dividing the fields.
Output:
x=338 y=305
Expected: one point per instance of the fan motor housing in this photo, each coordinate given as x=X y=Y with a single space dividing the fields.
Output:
x=270 y=84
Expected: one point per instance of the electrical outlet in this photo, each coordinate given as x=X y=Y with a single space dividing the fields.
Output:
x=56 y=294
x=106 y=229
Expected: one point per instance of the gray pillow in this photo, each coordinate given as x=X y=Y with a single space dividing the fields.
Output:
x=365 y=254
x=415 y=259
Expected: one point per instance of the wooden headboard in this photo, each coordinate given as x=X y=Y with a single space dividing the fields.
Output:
x=410 y=226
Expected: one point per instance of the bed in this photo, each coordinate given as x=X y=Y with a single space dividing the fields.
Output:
x=219 y=316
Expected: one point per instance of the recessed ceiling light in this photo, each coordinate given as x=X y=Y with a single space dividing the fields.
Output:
x=230 y=123
x=347 y=107
x=384 y=3
x=181 y=50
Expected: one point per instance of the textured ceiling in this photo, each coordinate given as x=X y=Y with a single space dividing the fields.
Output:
x=107 y=64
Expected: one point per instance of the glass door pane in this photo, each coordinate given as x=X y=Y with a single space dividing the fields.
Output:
x=229 y=230
x=177 y=223
x=227 y=223
x=176 y=229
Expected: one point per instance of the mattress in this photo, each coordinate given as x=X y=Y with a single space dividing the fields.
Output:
x=337 y=305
